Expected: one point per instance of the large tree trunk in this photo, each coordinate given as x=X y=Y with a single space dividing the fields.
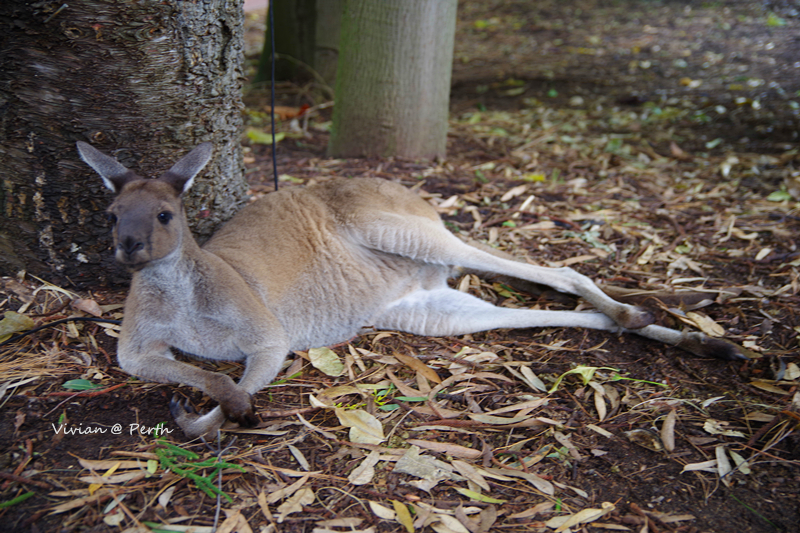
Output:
x=393 y=79
x=144 y=81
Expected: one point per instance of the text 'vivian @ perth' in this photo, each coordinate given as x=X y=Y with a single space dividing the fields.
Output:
x=116 y=429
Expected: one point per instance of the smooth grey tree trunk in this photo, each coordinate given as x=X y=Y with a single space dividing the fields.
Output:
x=393 y=78
x=295 y=27
x=329 y=24
x=143 y=81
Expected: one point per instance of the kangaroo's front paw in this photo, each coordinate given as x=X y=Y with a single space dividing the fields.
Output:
x=237 y=406
x=186 y=416
x=181 y=409
x=193 y=423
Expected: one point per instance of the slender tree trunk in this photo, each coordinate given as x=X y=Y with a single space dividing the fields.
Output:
x=144 y=81
x=295 y=26
x=393 y=79
x=329 y=24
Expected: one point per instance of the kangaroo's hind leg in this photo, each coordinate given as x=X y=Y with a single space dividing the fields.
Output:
x=427 y=241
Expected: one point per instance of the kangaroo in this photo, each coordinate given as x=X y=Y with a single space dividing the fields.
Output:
x=306 y=268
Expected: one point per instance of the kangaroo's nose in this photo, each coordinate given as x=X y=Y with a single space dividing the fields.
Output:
x=130 y=245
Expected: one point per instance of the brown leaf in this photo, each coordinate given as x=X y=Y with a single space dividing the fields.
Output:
x=442 y=447
x=415 y=364
x=235 y=522
x=487 y=519
x=677 y=153
x=466 y=521
x=283 y=112
x=668 y=431
x=87 y=306
x=19 y=419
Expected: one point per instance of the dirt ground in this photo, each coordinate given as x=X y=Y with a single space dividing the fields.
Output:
x=649 y=145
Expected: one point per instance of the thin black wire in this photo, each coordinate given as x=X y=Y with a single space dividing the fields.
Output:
x=272 y=109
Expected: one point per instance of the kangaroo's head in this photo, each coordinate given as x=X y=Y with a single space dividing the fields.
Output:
x=149 y=222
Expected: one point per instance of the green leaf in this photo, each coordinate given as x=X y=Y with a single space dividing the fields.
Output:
x=261 y=137
x=618 y=377
x=472 y=495
x=504 y=290
x=713 y=144
x=389 y=407
x=19 y=499
x=403 y=515
x=411 y=398
x=779 y=196
x=536 y=176
x=613 y=146
x=774 y=20
x=585 y=372
x=474 y=118
x=81 y=384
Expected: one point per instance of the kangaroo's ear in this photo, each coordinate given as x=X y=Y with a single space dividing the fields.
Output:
x=181 y=175
x=114 y=175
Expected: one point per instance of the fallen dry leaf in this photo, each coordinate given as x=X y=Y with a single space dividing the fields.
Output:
x=295 y=503
x=455 y=450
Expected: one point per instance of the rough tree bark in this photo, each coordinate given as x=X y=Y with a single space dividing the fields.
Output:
x=393 y=78
x=143 y=81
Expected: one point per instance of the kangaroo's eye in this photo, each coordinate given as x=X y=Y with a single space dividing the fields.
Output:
x=165 y=217
x=112 y=218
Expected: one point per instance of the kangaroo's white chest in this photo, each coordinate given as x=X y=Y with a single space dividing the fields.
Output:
x=190 y=316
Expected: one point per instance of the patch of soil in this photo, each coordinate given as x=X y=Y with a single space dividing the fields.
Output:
x=733 y=66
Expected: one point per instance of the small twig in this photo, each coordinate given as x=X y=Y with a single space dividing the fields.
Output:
x=127 y=511
x=86 y=394
x=54 y=311
x=287 y=412
x=453 y=423
x=218 y=507
x=518 y=455
x=20 y=479
x=409 y=410
x=105 y=353
x=57 y=11
x=763 y=430
x=21 y=466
